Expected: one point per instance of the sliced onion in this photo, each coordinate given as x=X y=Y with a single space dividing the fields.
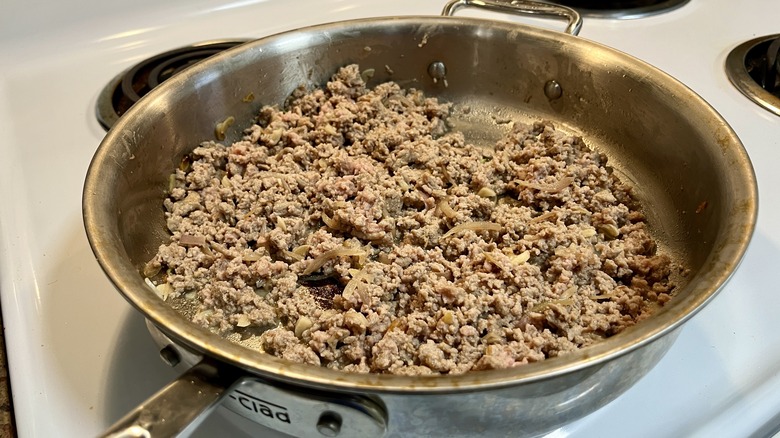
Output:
x=350 y=288
x=208 y=313
x=152 y=269
x=543 y=217
x=221 y=249
x=544 y=305
x=304 y=323
x=367 y=74
x=445 y=209
x=190 y=240
x=243 y=321
x=588 y=232
x=281 y=224
x=521 y=258
x=610 y=231
x=323 y=258
x=163 y=290
x=251 y=257
x=394 y=324
x=603 y=297
x=274 y=137
x=487 y=192
x=494 y=259
x=568 y=293
x=293 y=255
x=222 y=127
x=354 y=285
x=330 y=130
x=302 y=250
x=330 y=223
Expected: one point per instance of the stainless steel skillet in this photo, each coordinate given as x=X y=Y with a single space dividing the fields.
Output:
x=684 y=159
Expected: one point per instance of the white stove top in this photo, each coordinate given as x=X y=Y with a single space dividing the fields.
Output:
x=80 y=357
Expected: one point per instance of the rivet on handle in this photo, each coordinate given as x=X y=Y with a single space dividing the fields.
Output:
x=329 y=424
x=553 y=90
x=437 y=71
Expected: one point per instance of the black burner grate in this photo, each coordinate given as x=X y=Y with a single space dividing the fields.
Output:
x=131 y=85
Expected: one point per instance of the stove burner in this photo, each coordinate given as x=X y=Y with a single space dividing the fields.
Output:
x=754 y=68
x=624 y=9
x=132 y=84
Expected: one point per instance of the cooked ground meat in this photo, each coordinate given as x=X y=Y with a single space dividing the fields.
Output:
x=353 y=230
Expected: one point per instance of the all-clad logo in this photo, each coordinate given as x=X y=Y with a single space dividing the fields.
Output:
x=262 y=407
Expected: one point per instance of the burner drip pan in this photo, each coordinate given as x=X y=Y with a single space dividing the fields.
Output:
x=623 y=9
x=132 y=84
x=754 y=68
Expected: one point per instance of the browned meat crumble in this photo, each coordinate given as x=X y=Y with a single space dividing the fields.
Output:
x=353 y=230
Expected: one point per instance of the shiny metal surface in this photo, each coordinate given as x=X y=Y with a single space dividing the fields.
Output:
x=178 y=407
x=522 y=7
x=289 y=410
x=518 y=411
x=683 y=158
x=737 y=71
x=307 y=414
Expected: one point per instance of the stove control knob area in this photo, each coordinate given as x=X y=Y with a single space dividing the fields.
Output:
x=307 y=413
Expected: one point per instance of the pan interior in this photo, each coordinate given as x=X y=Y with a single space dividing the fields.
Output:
x=683 y=160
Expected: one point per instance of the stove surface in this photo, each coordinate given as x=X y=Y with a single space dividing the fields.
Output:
x=80 y=356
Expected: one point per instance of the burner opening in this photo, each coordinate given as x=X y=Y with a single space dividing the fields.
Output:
x=753 y=68
x=622 y=8
x=127 y=88
x=762 y=63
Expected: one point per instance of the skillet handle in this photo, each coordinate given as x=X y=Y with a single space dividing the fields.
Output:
x=178 y=407
x=295 y=411
x=522 y=7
